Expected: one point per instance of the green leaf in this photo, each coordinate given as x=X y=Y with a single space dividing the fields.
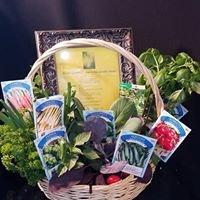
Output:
x=183 y=74
x=118 y=106
x=72 y=162
x=4 y=118
x=66 y=118
x=82 y=138
x=140 y=80
x=177 y=97
x=168 y=59
x=63 y=147
x=160 y=59
x=150 y=59
x=194 y=67
x=37 y=80
x=155 y=159
x=69 y=97
x=76 y=150
x=181 y=58
x=79 y=165
x=90 y=153
x=129 y=110
x=160 y=77
x=79 y=106
x=195 y=86
x=62 y=169
x=14 y=115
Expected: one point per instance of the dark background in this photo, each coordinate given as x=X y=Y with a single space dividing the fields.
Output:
x=170 y=26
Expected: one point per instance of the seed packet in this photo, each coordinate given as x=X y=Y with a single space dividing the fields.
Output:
x=18 y=94
x=170 y=133
x=48 y=114
x=137 y=93
x=179 y=112
x=48 y=149
x=104 y=121
x=136 y=150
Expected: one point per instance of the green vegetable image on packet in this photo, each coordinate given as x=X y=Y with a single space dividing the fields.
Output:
x=135 y=92
x=170 y=133
x=136 y=150
x=101 y=122
x=48 y=114
x=18 y=94
x=48 y=147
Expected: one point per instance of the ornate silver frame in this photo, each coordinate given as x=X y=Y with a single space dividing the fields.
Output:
x=46 y=39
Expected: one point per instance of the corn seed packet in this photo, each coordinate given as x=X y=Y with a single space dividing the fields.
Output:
x=100 y=121
x=18 y=94
x=136 y=150
x=48 y=114
x=48 y=147
x=170 y=133
x=136 y=92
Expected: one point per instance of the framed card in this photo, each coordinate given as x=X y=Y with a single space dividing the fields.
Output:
x=93 y=72
x=104 y=69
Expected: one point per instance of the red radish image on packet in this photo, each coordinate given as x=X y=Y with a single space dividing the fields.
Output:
x=170 y=133
x=18 y=94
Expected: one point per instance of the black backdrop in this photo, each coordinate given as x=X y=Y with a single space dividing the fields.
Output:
x=170 y=26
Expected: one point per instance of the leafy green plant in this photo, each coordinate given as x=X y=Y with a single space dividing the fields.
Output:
x=73 y=113
x=38 y=90
x=123 y=109
x=73 y=154
x=17 y=149
x=18 y=153
x=176 y=77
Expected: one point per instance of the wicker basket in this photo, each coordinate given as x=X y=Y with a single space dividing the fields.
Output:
x=127 y=188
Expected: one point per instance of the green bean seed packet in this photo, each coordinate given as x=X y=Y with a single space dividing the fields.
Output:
x=136 y=150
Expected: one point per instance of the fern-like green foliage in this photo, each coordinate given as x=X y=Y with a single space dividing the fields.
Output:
x=18 y=153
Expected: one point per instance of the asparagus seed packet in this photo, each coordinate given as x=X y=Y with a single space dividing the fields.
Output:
x=137 y=92
x=48 y=114
x=102 y=121
x=136 y=150
x=170 y=133
x=18 y=94
x=48 y=149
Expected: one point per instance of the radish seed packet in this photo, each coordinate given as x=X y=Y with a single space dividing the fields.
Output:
x=170 y=133
x=18 y=94
x=179 y=112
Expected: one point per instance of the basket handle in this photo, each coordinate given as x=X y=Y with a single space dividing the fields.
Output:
x=96 y=42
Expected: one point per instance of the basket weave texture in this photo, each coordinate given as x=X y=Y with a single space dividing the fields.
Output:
x=128 y=188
